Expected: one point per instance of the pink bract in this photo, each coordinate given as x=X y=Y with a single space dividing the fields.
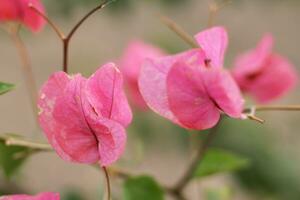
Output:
x=130 y=64
x=263 y=74
x=19 y=11
x=42 y=196
x=85 y=119
x=191 y=88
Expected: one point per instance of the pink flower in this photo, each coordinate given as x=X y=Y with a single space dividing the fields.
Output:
x=191 y=88
x=85 y=119
x=263 y=74
x=42 y=196
x=18 y=10
x=130 y=65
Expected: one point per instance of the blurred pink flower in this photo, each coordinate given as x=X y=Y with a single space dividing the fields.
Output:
x=19 y=11
x=85 y=119
x=191 y=88
x=130 y=64
x=42 y=196
x=263 y=74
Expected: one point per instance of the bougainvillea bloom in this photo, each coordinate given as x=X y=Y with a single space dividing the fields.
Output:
x=42 y=196
x=191 y=88
x=19 y=11
x=85 y=119
x=264 y=74
x=130 y=64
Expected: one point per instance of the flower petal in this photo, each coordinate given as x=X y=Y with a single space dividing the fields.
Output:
x=153 y=78
x=105 y=93
x=42 y=196
x=253 y=61
x=130 y=65
x=31 y=19
x=277 y=78
x=188 y=98
x=18 y=10
x=65 y=124
x=214 y=43
x=224 y=91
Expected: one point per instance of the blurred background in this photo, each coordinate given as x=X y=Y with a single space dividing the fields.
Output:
x=156 y=146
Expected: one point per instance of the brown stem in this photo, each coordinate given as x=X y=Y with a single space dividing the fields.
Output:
x=65 y=54
x=26 y=69
x=196 y=161
x=66 y=39
x=20 y=142
x=179 y=31
x=277 y=108
x=214 y=8
x=56 y=29
x=107 y=183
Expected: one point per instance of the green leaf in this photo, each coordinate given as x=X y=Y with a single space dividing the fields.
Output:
x=219 y=161
x=142 y=187
x=11 y=158
x=5 y=87
x=218 y=194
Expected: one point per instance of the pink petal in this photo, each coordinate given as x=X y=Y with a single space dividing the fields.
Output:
x=188 y=98
x=31 y=19
x=42 y=196
x=153 y=78
x=105 y=93
x=214 y=42
x=277 y=78
x=224 y=91
x=8 y=10
x=51 y=90
x=67 y=124
x=253 y=61
x=18 y=10
x=130 y=64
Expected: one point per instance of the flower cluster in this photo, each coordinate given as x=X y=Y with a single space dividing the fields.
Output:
x=85 y=119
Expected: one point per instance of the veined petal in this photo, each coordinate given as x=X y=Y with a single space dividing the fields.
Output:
x=153 y=80
x=214 y=43
x=105 y=93
x=188 y=98
x=224 y=91
x=65 y=123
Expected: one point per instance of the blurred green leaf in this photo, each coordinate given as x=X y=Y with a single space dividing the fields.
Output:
x=5 y=87
x=142 y=188
x=219 y=161
x=72 y=195
x=218 y=194
x=271 y=173
x=11 y=158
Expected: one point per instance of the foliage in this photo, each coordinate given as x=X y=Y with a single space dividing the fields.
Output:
x=219 y=161
x=270 y=173
x=5 y=87
x=11 y=158
x=142 y=187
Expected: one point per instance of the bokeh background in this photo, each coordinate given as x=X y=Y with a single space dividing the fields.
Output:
x=156 y=146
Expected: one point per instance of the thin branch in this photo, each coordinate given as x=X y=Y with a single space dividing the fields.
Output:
x=102 y=5
x=26 y=69
x=197 y=160
x=20 y=142
x=107 y=183
x=56 y=29
x=179 y=31
x=277 y=108
x=66 y=39
x=214 y=8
